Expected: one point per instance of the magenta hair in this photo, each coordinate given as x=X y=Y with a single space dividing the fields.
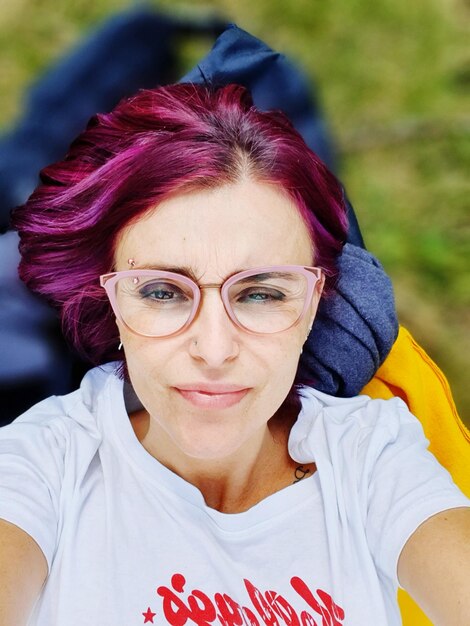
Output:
x=159 y=142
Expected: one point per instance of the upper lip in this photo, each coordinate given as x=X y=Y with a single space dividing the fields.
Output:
x=213 y=388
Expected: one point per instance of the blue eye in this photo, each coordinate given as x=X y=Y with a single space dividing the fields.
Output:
x=160 y=292
x=257 y=295
x=160 y=295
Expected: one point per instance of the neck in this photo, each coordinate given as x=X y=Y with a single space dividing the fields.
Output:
x=234 y=483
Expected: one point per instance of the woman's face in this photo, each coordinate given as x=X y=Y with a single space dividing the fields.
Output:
x=213 y=387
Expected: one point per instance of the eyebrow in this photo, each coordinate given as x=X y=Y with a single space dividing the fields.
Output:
x=183 y=270
x=188 y=272
x=264 y=276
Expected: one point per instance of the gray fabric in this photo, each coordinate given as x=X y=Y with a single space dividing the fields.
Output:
x=354 y=330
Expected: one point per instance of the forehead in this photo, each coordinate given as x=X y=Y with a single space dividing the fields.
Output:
x=219 y=231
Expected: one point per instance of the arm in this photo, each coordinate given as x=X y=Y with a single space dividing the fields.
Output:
x=434 y=567
x=23 y=570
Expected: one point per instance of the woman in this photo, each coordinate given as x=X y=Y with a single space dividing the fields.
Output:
x=197 y=235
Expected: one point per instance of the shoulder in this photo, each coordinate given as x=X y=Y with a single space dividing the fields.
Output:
x=375 y=470
x=50 y=447
x=359 y=423
x=58 y=420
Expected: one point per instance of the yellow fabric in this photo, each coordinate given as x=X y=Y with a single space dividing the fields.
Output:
x=409 y=373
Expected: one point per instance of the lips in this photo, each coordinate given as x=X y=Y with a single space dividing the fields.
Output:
x=212 y=396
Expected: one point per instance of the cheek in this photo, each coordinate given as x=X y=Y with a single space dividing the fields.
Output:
x=144 y=363
x=271 y=362
x=281 y=365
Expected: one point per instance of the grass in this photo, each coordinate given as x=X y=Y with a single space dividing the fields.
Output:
x=394 y=78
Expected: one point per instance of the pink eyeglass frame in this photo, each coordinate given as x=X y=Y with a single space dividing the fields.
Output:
x=312 y=274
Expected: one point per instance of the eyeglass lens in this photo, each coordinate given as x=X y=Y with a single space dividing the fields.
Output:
x=262 y=303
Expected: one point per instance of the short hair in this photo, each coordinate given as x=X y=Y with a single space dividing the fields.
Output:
x=157 y=143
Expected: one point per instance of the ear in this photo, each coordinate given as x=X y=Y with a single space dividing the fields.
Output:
x=119 y=327
x=320 y=285
x=316 y=301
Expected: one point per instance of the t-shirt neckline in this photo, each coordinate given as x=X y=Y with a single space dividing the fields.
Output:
x=152 y=471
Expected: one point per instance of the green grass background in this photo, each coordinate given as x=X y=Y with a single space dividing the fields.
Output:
x=394 y=79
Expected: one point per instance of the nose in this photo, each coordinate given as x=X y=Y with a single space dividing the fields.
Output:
x=214 y=337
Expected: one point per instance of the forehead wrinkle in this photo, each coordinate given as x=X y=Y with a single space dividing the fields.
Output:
x=214 y=262
x=255 y=238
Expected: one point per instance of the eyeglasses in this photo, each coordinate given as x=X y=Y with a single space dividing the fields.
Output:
x=262 y=300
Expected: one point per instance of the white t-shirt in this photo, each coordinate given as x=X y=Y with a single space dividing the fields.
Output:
x=128 y=542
